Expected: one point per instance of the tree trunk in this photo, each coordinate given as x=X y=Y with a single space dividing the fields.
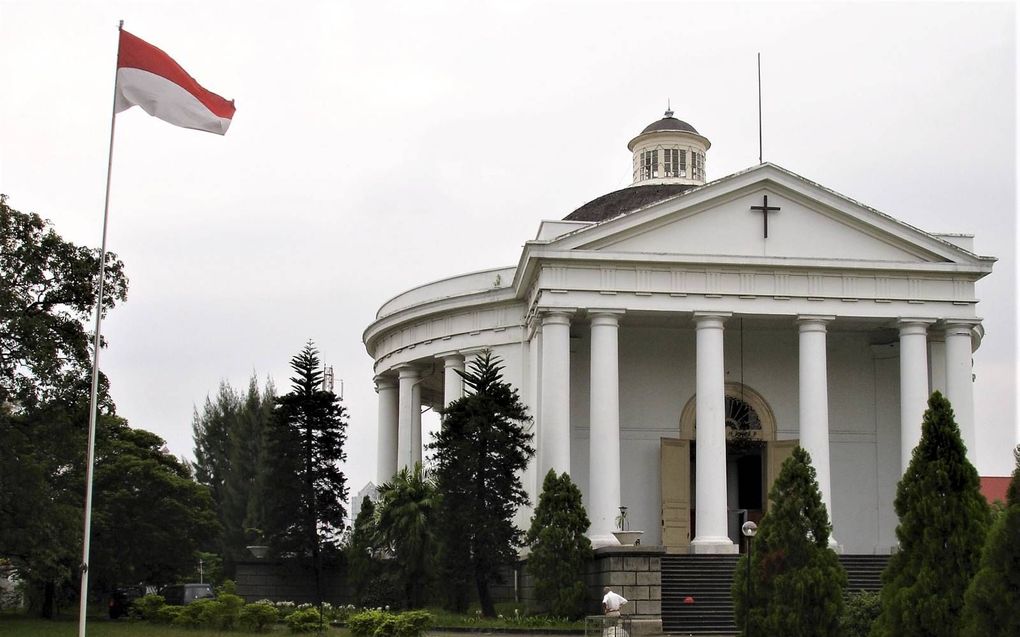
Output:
x=484 y=596
x=49 y=600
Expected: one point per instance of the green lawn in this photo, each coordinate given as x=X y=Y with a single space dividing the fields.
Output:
x=20 y=626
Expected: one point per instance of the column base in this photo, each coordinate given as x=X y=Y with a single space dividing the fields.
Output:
x=713 y=546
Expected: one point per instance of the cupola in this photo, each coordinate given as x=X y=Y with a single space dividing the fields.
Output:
x=669 y=151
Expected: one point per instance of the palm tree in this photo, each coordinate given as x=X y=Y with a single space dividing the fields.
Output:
x=406 y=513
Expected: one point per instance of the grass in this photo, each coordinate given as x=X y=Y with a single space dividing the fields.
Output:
x=22 y=626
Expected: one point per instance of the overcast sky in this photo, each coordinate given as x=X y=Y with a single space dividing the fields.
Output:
x=381 y=145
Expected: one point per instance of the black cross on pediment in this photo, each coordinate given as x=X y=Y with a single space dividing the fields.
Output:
x=765 y=209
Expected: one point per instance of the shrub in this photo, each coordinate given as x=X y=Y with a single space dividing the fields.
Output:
x=364 y=624
x=167 y=614
x=860 y=613
x=147 y=606
x=258 y=617
x=226 y=615
x=305 y=620
x=199 y=613
x=412 y=623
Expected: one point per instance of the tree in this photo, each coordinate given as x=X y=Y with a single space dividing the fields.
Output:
x=479 y=453
x=361 y=560
x=230 y=437
x=560 y=550
x=943 y=522
x=151 y=517
x=48 y=291
x=407 y=514
x=796 y=579
x=304 y=505
x=992 y=603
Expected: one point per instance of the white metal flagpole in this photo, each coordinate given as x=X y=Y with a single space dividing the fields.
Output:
x=94 y=401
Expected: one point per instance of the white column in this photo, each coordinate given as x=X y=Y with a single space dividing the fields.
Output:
x=711 y=532
x=959 y=382
x=555 y=393
x=814 y=403
x=409 y=428
x=604 y=498
x=453 y=384
x=386 y=456
x=913 y=384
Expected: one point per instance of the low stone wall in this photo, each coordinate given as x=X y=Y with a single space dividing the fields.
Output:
x=277 y=582
x=636 y=573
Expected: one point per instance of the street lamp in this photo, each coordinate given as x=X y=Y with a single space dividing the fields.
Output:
x=749 y=529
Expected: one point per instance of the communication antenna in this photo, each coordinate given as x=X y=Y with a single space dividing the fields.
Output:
x=327 y=378
x=759 y=108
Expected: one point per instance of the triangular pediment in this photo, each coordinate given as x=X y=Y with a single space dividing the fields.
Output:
x=721 y=219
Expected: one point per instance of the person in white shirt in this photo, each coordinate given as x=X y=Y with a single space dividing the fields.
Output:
x=611 y=602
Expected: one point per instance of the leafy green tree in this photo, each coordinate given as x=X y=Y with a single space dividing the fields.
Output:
x=48 y=291
x=943 y=522
x=306 y=491
x=992 y=603
x=362 y=563
x=407 y=513
x=480 y=451
x=796 y=579
x=151 y=517
x=560 y=550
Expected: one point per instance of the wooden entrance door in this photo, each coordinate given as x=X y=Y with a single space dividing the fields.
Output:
x=675 y=475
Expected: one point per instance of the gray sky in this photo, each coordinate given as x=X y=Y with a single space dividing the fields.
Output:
x=381 y=145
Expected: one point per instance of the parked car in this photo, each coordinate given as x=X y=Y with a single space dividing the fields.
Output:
x=181 y=594
x=121 y=598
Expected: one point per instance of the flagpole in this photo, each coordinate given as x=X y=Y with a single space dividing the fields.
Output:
x=94 y=400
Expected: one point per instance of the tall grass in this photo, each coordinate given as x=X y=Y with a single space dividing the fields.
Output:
x=21 y=626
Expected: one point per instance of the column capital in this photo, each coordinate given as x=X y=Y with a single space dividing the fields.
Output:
x=407 y=371
x=384 y=382
x=958 y=326
x=451 y=358
x=557 y=316
x=914 y=326
x=711 y=320
x=605 y=317
x=814 y=319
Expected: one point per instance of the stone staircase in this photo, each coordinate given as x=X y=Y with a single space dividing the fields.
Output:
x=706 y=579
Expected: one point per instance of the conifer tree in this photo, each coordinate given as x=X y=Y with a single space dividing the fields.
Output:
x=307 y=489
x=361 y=560
x=992 y=603
x=796 y=579
x=943 y=521
x=560 y=550
x=479 y=453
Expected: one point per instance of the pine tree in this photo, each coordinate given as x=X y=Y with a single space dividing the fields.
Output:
x=992 y=603
x=943 y=521
x=304 y=499
x=479 y=452
x=560 y=550
x=796 y=579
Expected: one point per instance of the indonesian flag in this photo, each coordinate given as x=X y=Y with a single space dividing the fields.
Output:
x=148 y=77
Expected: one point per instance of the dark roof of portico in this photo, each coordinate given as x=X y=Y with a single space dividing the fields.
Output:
x=626 y=200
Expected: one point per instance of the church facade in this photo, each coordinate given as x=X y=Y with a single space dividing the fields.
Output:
x=674 y=340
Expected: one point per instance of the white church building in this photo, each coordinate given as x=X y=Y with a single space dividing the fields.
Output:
x=675 y=339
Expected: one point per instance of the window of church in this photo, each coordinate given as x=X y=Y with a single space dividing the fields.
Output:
x=697 y=165
x=649 y=164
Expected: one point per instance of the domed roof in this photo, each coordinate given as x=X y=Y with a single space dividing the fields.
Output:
x=626 y=200
x=668 y=122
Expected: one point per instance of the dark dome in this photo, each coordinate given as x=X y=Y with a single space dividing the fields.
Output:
x=626 y=200
x=669 y=123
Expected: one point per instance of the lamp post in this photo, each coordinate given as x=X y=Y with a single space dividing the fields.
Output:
x=748 y=529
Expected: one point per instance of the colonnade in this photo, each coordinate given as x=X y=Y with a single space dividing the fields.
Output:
x=399 y=432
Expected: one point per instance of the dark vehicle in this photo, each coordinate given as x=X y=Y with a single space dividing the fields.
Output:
x=181 y=594
x=121 y=598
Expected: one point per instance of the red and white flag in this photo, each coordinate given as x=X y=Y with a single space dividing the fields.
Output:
x=148 y=77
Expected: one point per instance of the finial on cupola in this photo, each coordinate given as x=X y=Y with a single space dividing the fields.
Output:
x=669 y=110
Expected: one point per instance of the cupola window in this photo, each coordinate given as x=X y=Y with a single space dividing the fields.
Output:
x=675 y=162
x=649 y=164
x=698 y=165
